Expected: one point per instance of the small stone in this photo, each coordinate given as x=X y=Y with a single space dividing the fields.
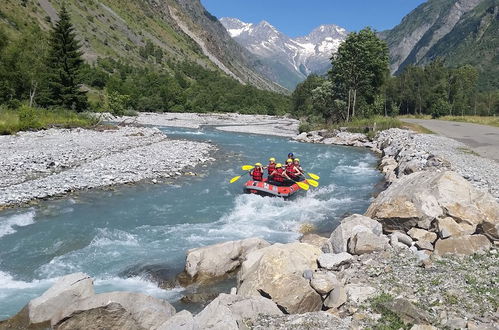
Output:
x=333 y=261
x=422 y=235
x=424 y=245
x=308 y=274
x=358 y=293
x=324 y=282
x=402 y=238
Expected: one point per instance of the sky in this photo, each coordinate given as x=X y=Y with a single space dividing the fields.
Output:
x=299 y=17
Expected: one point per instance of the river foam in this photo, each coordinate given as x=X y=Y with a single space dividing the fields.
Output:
x=9 y=224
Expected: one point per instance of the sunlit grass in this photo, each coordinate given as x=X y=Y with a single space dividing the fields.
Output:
x=482 y=120
x=25 y=119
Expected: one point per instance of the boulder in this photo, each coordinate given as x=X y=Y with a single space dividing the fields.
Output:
x=490 y=228
x=403 y=238
x=217 y=260
x=272 y=272
x=348 y=228
x=366 y=242
x=333 y=261
x=448 y=227
x=118 y=308
x=314 y=239
x=112 y=316
x=336 y=298
x=229 y=311
x=422 y=235
x=324 y=282
x=420 y=198
x=181 y=321
x=40 y=311
x=358 y=293
x=462 y=245
x=424 y=245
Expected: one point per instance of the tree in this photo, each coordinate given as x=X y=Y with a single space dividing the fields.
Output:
x=64 y=65
x=360 y=67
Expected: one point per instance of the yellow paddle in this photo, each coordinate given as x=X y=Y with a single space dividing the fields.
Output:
x=314 y=176
x=302 y=185
x=313 y=183
x=234 y=179
x=247 y=167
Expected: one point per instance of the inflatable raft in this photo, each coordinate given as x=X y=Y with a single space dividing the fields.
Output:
x=264 y=188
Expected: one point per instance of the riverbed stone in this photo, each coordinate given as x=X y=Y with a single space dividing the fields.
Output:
x=348 y=228
x=407 y=311
x=422 y=235
x=333 y=261
x=118 y=308
x=448 y=227
x=324 y=282
x=272 y=271
x=314 y=239
x=366 y=242
x=214 y=261
x=419 y=198
x=67 y=290
x=462 y=245
x=359 y=293
x=183 y=320
x=336 y=298
x=402 y=238
x=229 y=311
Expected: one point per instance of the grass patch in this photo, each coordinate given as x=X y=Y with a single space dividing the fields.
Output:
x=26 y=119
x=389 y=320
x=482 y=120
x=467 y=151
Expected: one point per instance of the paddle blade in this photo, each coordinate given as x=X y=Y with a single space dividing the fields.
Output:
x=234 y=179
x=247 y=167
x=313 y=183
x=303 y=186
x=314 y=176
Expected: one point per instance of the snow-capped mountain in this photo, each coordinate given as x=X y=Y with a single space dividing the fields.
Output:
x=290 y=60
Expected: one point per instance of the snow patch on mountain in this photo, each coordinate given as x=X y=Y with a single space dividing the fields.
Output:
x=300 y=56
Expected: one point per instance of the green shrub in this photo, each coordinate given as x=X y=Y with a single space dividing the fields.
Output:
x=28 y=118
x=305 y=127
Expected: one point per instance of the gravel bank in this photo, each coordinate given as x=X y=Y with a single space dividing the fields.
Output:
x=42 y=164
x=256 y=124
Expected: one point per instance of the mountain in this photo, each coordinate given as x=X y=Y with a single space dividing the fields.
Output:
x=179 y=29
x=459 y=31
x=290 y=60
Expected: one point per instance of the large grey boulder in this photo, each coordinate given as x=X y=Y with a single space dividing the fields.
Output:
x=333 y=261
x=366 y=242
x=120 y=307
x=181 y=321
x=462 y=245
x=40 y=311
x=214 y=261
x=420 y=198
x=350 y=226
x=277 y=271
x=229 y=312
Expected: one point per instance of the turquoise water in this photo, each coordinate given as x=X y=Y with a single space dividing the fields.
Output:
x=115 y=236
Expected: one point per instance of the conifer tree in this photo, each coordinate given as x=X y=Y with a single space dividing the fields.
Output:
x=64 y=64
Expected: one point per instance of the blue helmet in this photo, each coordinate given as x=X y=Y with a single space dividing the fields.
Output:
x=290 y=155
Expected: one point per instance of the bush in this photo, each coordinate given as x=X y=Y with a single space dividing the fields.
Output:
x=440 y=108
x=117 y=103
x=305 y=127
x=28 y=118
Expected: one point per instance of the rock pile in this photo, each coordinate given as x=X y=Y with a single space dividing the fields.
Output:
x=338 y=137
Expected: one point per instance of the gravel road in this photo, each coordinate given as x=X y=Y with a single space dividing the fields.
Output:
x=484 y=140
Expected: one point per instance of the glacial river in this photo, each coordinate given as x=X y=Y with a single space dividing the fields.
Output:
x=116 y=235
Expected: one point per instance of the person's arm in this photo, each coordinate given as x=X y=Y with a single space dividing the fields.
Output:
x=284 y=174
x=297 y=169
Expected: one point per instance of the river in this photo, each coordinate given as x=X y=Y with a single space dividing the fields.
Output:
x=114 y=235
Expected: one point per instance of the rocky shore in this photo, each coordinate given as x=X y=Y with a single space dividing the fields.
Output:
x=38 y=165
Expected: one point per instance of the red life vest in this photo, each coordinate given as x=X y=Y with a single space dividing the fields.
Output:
x=291 y=171
x=257 y=174
x=271 y=168
x=278 y=176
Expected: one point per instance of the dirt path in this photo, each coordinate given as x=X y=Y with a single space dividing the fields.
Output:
x=481 y=139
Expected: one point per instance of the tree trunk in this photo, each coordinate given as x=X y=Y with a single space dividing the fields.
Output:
x=32 y=93
x=354 y=102
x=348 y=107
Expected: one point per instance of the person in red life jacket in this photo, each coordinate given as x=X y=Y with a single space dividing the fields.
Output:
x=279 y=176
x=257 y=172
x=271 y=167
x=290 y=156
x=296 y=162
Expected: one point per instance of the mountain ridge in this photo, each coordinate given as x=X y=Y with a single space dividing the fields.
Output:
x=292 y=59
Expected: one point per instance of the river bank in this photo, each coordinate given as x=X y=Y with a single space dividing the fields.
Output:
x=231 y=122
x=43 y=164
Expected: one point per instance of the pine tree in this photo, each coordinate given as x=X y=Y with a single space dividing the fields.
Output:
x=64 y=64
